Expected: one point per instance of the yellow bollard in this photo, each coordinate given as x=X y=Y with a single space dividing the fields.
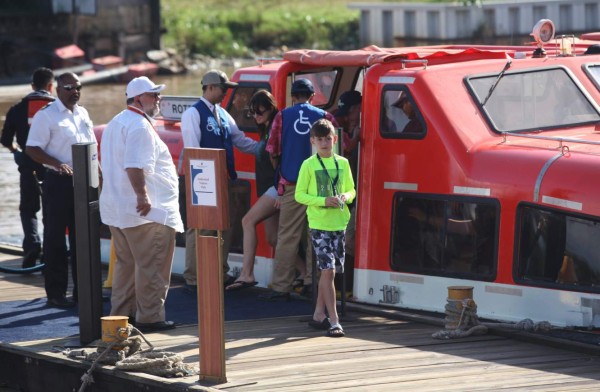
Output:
x=459 y=297
x=460 y=292
x=111 y=266
x=110 y=329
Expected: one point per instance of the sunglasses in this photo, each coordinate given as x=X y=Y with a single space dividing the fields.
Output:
x=70 y=87
x=257 y=112
x=153 y=95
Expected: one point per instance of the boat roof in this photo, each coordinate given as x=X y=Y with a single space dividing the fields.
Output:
x=373 y=54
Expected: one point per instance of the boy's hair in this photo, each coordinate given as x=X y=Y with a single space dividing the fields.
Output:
x=321 y=128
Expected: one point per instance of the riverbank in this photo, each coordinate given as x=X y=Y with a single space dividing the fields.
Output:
x=249 y=27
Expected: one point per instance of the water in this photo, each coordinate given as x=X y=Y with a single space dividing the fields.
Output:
x=102 y=101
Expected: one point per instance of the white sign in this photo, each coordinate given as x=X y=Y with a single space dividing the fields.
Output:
x=204 y=183
x=171 y=108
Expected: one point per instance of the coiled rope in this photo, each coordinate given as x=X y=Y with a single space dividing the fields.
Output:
x=125 y=353
x=462 y=321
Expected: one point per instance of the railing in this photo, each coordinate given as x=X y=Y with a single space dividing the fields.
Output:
x=560 y=140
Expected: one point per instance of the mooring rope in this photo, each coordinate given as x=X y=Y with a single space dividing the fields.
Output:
x=462 y=321
x=125 y=353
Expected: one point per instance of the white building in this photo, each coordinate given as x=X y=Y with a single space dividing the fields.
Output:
x=381 y=24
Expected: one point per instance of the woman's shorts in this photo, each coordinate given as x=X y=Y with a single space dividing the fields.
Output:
x=272 y=193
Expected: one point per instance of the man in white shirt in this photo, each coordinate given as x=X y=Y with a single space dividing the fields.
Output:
x=207 y=125
x=139 y=203
x=54 y=129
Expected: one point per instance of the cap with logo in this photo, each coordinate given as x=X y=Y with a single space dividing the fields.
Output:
x=142 y=85
x=347 y=100
x=302 y=86
x=215 y=76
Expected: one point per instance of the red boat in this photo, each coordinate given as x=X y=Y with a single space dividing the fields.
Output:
x=495 y=186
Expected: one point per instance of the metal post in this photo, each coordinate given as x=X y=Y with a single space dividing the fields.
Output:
x=87 y=224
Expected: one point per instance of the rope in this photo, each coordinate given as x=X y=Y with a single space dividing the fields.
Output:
x=130 y=357
x=462 y=321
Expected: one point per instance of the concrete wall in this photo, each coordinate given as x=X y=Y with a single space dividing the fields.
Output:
x=381 y=24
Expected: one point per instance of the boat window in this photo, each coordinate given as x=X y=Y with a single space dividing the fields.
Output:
x=239 y=109
x=556 y=248
x=323 y=82
x=593 y=72
x=400 y=117
x=445 y=236
x=533 y=100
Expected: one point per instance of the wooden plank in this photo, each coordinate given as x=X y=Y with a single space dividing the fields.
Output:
x=284 y=354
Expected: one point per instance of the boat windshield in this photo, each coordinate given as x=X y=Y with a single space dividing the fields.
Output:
x=593 y=71
x=538 y=100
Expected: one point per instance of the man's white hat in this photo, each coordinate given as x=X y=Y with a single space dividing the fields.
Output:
x=142 y=85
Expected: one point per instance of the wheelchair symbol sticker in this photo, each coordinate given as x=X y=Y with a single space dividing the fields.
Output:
x=212 y=126
x=302 y=121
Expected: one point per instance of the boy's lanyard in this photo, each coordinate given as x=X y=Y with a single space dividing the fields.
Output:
x=337 y=173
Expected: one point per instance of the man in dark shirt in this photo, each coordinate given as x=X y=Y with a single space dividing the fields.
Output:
x=18 y=120
x=413 y=125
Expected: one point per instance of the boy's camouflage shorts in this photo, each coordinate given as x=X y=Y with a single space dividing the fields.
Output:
x=329 y=247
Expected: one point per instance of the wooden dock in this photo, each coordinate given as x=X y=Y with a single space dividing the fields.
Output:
x=379 y=353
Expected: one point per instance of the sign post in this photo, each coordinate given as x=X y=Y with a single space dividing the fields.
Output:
x=87 y=224
x=207 y=202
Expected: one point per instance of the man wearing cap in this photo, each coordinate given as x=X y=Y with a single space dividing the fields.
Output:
x=139 y=202
x=207 y=125
x=592 y=49
x=413 y=125
x=348 y=116
x=54 y=129
x=289 y=145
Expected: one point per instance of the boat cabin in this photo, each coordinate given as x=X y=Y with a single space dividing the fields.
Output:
x=477 y=166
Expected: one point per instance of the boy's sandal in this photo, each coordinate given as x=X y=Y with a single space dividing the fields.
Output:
x=335 y=331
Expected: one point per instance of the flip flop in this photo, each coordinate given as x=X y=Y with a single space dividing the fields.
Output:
x=228 y=280
x=240 y=285
x=335 y=331
x=324 y=324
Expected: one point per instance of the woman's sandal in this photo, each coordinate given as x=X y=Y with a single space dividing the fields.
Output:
x=335 y=331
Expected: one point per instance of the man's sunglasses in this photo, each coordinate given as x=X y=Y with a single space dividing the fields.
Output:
x=70 y=87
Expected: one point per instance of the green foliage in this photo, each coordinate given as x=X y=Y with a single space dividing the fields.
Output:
x=219 y=29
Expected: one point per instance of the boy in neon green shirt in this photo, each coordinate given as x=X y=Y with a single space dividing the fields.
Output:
x=326 y=186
